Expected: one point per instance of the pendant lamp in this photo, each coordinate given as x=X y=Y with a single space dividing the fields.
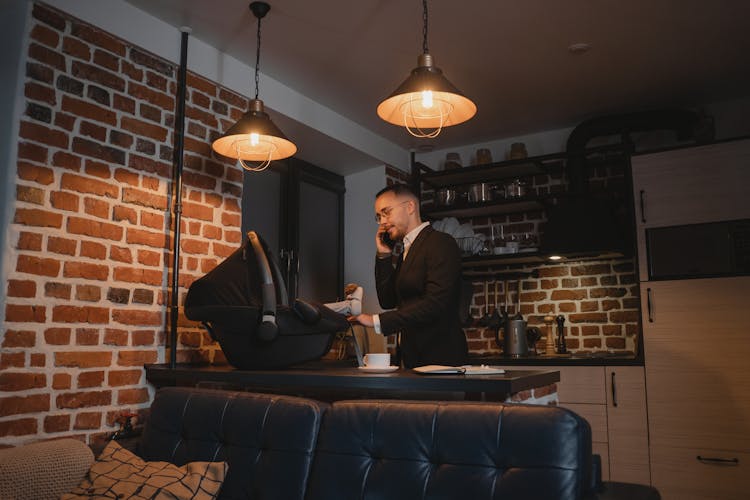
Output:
x=426 y=101
x=255 y=140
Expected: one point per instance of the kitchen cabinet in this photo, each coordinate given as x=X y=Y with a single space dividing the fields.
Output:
x=613 y=401
x=298 y=209
x=690 y=186
x=695 y=339
x=583 y=390
x=627 y=424
x=697 y=348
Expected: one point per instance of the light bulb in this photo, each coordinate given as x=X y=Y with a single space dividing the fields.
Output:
x=254 y=139
x=427 y=99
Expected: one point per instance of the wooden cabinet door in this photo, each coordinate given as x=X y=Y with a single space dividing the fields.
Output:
x=697 y=349
x=298 y=209
x=627 y=424
x=581 y=384
x=582 y=390
x=679 y=475
x=690 y=186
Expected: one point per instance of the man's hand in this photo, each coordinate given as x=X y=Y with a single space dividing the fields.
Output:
x=362 y=319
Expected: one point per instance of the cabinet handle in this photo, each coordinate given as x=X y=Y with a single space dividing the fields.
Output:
x=296 y=279
x=719 y=461
x=614 y=391
x=643 y=206
x=648 y=306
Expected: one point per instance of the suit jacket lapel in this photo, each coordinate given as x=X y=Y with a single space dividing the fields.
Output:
x=416 y=247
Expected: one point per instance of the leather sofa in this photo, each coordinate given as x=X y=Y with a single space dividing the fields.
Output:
x=294 y=448
x=283 y=447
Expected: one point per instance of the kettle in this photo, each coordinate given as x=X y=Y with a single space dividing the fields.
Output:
x=514 y=337
x=515 y=331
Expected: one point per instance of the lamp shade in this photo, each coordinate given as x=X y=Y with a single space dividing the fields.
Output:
x=426 y=100
x=254 y=138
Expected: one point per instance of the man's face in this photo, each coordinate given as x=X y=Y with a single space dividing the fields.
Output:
x=394 y=214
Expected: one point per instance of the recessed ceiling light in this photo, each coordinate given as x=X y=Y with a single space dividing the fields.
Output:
x=578 y=48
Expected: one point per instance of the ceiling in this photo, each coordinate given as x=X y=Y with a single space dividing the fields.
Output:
x=510 y=57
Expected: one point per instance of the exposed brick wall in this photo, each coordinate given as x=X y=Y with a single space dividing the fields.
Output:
x=89 y=276
x=599 y=300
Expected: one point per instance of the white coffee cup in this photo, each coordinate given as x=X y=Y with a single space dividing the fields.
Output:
x=378 y=360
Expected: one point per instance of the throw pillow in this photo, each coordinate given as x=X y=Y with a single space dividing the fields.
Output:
x=118 y=473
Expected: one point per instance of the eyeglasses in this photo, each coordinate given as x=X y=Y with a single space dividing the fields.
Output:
x=386 y=212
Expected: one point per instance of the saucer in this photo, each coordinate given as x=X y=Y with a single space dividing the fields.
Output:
x=378 y=369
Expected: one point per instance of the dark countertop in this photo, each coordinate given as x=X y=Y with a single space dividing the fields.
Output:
x=335 y=377
x=600 y=358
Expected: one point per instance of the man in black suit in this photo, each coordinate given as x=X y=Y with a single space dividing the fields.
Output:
x=424 y=285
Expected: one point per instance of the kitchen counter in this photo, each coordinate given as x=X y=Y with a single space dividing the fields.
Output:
x=334 y=380
x=600 y=358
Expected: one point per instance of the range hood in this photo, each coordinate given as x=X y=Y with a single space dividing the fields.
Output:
x=585 y=224
x=585 y=227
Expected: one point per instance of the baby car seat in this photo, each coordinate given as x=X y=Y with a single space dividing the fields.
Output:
x=243 y=305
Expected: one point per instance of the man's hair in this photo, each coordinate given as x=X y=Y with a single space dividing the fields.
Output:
x=398 y=190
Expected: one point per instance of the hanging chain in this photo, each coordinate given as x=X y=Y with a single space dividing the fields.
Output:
x=424 y=27
x=257 y=61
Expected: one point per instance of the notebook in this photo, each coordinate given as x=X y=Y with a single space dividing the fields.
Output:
x=465 y=369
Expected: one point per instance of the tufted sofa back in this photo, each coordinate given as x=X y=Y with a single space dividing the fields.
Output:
x=431 y=450
x=268 y=440
x=281 y=447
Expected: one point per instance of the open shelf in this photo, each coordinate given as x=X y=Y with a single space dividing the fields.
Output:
x=494 y=171
x=487 y=208
x=481 y=261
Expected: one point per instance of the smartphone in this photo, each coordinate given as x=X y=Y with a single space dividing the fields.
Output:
x=385 y=238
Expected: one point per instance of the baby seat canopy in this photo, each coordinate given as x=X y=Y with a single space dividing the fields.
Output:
x=243 y=305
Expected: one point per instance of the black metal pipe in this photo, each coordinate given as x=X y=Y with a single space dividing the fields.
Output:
x=686 y=124
x=179 y=146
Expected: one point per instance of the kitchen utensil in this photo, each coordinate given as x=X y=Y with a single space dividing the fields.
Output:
x=505 y=299
x=495 y=297
x=528 y=243
x=446 y=197
x=377 y=359
x=533 y=334
x=518 y=298
x=467 y=292
x=498 y=240
x=514 y=338
x=515 y=189
x=514 y=331
x=470 y=245
x=549 y=348
x=480 y=192
x=512 y=244
x=486 y=299
x=496 y=320
x=487 y=317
